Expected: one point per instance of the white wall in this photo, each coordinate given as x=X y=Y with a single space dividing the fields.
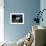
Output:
x=43 y=6
x=1 y=20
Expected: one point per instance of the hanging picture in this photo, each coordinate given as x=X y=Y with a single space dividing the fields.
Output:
x=16 y=18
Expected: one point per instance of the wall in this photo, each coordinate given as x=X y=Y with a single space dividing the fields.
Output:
x=29 y=8
x=43 y=6
x=1 y=20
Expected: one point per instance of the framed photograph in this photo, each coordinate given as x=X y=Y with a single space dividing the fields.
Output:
x=16 y=18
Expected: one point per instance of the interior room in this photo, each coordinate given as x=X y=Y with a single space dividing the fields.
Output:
x=22 y=22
